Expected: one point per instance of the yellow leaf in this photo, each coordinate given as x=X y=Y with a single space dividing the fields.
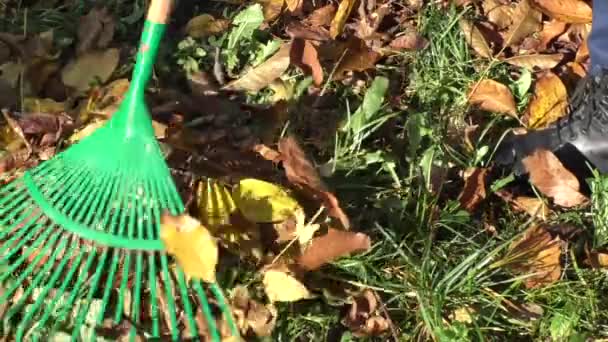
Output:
x=206 y=25
x=342 y=14
x=215 y=204
x=260 y=201
x=550 y=101
x=304 y=231
x=86 y=131
x=35 y=105
x=282 y=90
x=90 y=67
x=283 y=287
x=191 y=244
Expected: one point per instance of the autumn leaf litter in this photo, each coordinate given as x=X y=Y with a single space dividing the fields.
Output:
x=336 y=158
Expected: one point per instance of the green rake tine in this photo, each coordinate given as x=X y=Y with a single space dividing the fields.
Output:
x=169 y=297
x=30 y=219
x=46 y=289
x=28 y=270
x=66 y=282
x=123 y=287
x=206 y=310
x=135 y=298
x=9 y=243
x=152 y=263
x=219 y=295
x=106 y=294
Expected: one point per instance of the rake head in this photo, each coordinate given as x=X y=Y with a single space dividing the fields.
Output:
x=80 y=247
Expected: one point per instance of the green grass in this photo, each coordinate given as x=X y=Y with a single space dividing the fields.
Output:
x=430 y=258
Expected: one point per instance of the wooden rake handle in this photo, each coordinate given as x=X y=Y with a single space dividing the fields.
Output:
x=159 y=11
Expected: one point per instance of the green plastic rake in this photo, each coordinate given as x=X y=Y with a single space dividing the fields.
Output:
x=79 y=234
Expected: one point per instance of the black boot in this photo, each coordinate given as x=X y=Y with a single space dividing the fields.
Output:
x=584 y=128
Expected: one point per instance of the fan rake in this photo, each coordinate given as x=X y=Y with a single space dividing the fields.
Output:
x=79 y=233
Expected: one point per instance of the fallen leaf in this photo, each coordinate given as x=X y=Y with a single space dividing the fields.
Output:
x=90 y=67
x=215 y=204
x=206 y=25
x=298 y=30
x=536 y=255
x=335 y=244
x=362 y=318
x=552 y=179
x=250 y=314
x=409 y=41
x=86 y=131
x=263 y=74
x=191 y=244
x=549 y=102
x=271 y=8
x=282 y=90
x=498 y=13
x=582 y=53
x=539 y=61
x=342 y=14
x=474 y=190
x=321 y=16
x=597 y=259
x=494 y=97
x=357 y=56
x=304 y=55
x=297 y=166
x=36 y=105
x=475 y=38
x=526 y=21
x=463 y=314
x=281 y=286
x=95 y=30
x=569 y=11
x=261 y=201
x=294 y=6
x=533 y=206
x=551 y=30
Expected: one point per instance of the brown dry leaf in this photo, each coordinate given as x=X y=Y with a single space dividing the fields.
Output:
x=95 y=30
x=298 y=30
x=271 y=8
x=552 y=179
x=533 y=206
x=297 y=166
x=582 y=53
x=294 y=6
x=262 y=75
x=475 y=38
x=474 y=190
x=498 y=13
x=550 y=101
x=304 y=55
x=87 y=68
x=335 y=244
x=357 y=57
x=551 y=30
x=339 y=20
x=569 y=11
x=362 y=318
x=494 y=97
x=526 y=21
x=206 y=25
x=409 y=41
x=36 y=105
x=536 y=61
x=536 y=254
x=251 y=314
x=321 y=16
x=597 y=259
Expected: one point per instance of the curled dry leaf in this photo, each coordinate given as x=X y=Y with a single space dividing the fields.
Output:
x=550 y=101
x=582 y=54
x=475 y=38
x=191 y=244
x=551 y=30
x=409 y=41
x=533 y=206
x=251 y=314
x=326 y=248
x=569 y=11
x=342 y=14
x=536 y=255
x=493 y=96
x=539 y=61
x=304 y=55
x=282 y=286
x=357 y=57
x=95 y=30
x=262 y=75
x=87 y=68
x=474 y=190
x=526 y=21
x=362 y=318
x=321 y=16
x=498 y=13
x=552 y=179
x=206 y=25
